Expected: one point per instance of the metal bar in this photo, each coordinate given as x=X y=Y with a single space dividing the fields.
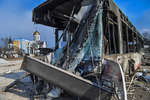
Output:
x=127 y=36
x=68 y=47
x=109 y=38
x=63 y=79
x=114 y=38
x=56 y=39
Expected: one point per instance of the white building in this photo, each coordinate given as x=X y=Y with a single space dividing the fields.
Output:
x=36 y=44
x=36 y=36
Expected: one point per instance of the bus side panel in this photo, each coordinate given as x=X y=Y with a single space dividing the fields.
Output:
x=123 y=60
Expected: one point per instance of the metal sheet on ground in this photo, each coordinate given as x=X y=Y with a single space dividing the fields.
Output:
x=59 y=77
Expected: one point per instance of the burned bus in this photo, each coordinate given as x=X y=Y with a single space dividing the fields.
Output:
x=100 y=53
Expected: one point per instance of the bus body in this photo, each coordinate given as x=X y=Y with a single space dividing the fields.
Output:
x=121 y=41
x=95 y=34
x=126 y=42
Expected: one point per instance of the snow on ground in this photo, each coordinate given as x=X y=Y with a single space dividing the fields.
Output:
x=9 y=72
x=2 y=61
x=9 y=66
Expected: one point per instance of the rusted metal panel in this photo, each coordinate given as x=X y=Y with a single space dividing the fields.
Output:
x=123 y=59
x=55 y=13
x=67 y=81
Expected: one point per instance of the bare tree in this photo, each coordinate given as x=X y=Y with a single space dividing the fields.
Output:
x=4 y=42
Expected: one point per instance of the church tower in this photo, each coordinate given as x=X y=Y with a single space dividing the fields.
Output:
x=36 y=36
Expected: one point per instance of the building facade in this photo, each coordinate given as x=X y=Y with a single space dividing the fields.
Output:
x=28 y=47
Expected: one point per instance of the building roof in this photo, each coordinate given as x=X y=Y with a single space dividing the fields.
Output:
x=36 y=33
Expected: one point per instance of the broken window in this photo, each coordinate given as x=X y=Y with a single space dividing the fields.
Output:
x=117 y=38
x=135 y=42
x=140 y=44
x=60 y=39
x=112 y=39
x=125 y=39
x=130 y=41
x=111 y=36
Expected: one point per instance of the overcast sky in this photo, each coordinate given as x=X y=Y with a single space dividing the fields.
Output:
x=16 y=17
